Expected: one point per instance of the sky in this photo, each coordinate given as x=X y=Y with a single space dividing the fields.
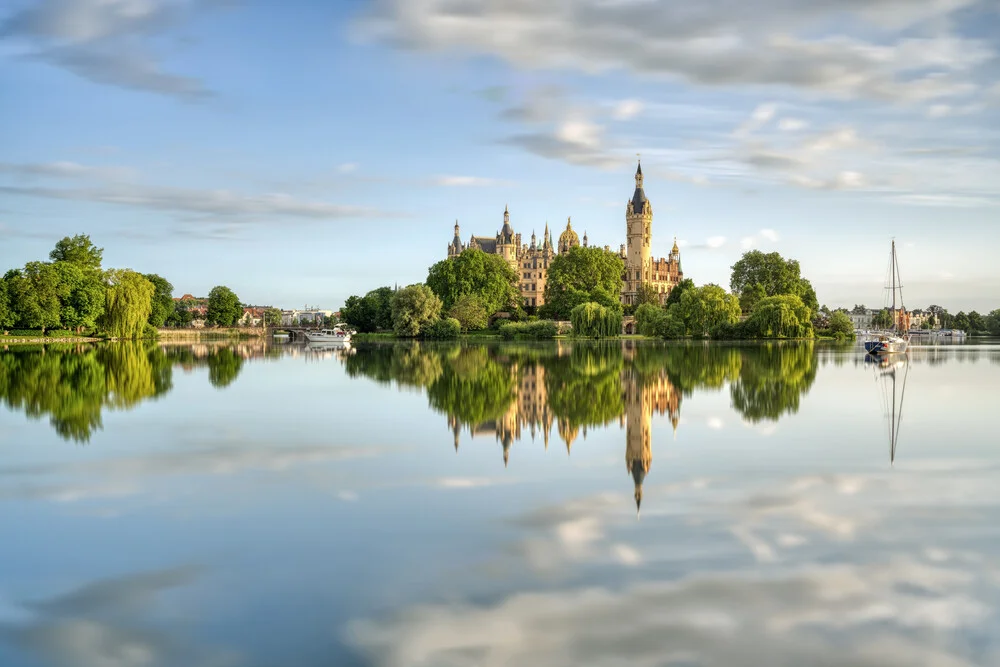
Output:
x=301 y=152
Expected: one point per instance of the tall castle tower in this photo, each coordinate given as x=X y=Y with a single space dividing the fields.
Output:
x=639 y=232
x=508 y=243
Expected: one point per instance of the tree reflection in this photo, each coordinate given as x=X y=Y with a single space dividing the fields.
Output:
x=772 y=379
x=503 y=390
x=73 y=384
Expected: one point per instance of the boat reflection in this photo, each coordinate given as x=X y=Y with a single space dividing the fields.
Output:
x=888 y=370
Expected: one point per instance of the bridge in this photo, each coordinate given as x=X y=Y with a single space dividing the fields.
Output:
x=294 y=332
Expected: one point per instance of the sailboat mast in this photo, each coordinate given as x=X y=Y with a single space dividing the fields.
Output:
x=892 y=270
x=892 y=423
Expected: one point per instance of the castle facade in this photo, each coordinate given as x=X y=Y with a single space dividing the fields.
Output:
x=531 y=260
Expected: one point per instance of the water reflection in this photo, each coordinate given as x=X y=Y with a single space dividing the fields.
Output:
x=505 y=390
x=73 y=384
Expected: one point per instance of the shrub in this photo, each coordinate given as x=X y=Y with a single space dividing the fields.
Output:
x=440 y=329
x=541 y=329
x=593 y=320
x=25 y=333
x=61 y=333
x=149 y=332
x=470 y=313
x=650 y=319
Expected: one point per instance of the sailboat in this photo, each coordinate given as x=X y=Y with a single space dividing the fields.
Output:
x=886 y=375
x=896 y=339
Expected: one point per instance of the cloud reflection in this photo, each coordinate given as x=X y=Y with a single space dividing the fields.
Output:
x=106 y=624
x=831 y=579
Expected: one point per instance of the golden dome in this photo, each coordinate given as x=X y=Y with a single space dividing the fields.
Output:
x=569 y=238
x=675 y=249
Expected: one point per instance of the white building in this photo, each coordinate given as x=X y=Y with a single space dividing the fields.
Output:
x=307 y=316
x=862 y=321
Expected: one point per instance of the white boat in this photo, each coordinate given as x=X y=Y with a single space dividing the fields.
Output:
x=897 y=339
x=334 y=336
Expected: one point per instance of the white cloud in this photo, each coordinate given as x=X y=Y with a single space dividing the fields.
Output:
x=715 y=423
x=119 y=186
x=778 y=43
x=464 y=482
x=715 y=241
x=769 y=234
x=347 y=167
x=758 y=119
x=792 y=124
x=105 y=40
x=627 y=109
x=464 y=181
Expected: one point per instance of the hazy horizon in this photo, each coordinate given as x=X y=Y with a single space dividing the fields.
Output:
x=306 y=152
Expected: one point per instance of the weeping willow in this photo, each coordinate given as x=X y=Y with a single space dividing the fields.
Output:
x=592 y=320
x=128 y=303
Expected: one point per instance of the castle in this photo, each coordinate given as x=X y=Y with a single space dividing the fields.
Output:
x=531 y=260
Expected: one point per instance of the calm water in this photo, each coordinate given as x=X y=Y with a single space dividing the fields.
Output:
x=446 y=505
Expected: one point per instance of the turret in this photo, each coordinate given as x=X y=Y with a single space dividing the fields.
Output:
x=639 y=231
x=456 y=247
x=585 y=238
x=568 y=239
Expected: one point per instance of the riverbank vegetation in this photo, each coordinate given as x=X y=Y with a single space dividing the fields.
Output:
x=73 y=292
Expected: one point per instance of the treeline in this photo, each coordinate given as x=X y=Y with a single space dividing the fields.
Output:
x=73 y=294
x=769 y=299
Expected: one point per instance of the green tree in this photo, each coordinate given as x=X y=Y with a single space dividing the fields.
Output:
x=128 y=302
x=470 y=312
x=650 y=320
x=977 y=323
x=372 y=312
x=34 y=296
x=592 y=320
x=473 y=272
x=81 y=295
x=960 y=321
x=751 y=296
x=272 y=317
x=180 y=317
x=759 y=274
x=224 y=308
x=882 y=319
x=163 y=300
x=992 y=322
x=579 y=276
x=78 y=250
x=841 y=325
x=647 y=293
x=705 y=308
x=782 y=316
x=6 y=313
x=677 y=291
x=413 y=308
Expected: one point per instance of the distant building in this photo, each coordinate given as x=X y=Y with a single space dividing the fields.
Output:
x=531 y=260
x=307 y=316
x=862 y=320
x=253 y=316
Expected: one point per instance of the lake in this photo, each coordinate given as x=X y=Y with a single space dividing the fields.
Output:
x=557 y=504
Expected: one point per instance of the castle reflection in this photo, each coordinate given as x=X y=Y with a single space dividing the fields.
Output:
x=504 y=391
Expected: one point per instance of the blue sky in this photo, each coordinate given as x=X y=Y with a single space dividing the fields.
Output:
x=300 y=152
